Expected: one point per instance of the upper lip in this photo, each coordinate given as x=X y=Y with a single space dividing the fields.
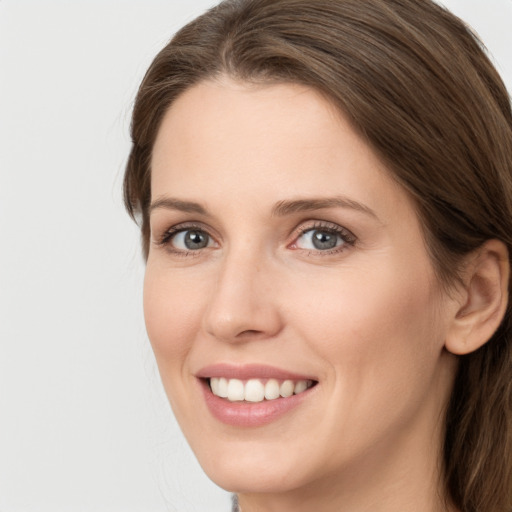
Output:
x=249 y=371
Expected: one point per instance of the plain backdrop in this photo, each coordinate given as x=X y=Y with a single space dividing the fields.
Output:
x=84 y=424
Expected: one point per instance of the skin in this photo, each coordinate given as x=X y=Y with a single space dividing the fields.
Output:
x=368 y=320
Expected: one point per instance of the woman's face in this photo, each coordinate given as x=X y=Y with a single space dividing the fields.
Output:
x=284 y=258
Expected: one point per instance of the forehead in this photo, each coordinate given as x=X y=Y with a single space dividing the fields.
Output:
x=246 y=117
x=257 y=143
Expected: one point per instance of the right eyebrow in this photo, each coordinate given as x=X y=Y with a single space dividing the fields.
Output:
x=170 y=203
x=283 y=208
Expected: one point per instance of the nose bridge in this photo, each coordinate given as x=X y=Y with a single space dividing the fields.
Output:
x=242 y=304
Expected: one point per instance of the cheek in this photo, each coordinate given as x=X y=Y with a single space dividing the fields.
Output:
x=354 y=304
x=378 y=331
x=379 y=338
x=172 y=312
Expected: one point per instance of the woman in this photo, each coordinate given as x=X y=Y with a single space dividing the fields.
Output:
x=325 y=195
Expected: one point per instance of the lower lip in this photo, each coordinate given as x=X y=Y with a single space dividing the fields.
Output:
x=247 y=414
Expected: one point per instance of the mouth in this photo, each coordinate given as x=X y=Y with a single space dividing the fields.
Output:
x=257 y=390
x=252 y=395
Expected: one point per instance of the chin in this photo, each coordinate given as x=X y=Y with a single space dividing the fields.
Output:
x=254 y=478
x=253 y=469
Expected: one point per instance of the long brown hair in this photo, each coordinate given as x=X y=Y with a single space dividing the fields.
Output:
x=416 y=83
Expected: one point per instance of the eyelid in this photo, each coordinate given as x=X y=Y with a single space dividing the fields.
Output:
x=164 y=238
x=348 y=237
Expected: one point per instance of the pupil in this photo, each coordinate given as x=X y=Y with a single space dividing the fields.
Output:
x=195 y=240
x=323 y=240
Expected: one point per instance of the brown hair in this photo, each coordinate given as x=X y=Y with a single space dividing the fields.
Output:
x=416 y=83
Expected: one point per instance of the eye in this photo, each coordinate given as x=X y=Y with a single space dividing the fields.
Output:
x=189 y=239
x=322 y=238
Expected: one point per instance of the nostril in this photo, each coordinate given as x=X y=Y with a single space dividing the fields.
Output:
x=250 y=332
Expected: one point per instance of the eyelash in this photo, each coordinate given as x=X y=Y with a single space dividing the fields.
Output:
x=348 y=238
x=166 y=238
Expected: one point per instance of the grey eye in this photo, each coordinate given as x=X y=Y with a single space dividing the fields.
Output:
x=191 y=240
x=323 y=240
x=320 y=240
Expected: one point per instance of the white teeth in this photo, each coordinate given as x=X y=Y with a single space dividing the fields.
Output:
x=254 y=390
x=235 y=390
x=286 y=389
x=214 y=384
x=300 y=386
x=272 y=389
x=223 y=388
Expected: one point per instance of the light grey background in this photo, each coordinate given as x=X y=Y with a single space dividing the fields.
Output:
x=84 y=425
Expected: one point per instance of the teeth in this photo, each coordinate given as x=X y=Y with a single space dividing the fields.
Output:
x=214 y=385
x=236 y=390
x=300 y=386
x=254 y=390
x=286 y=389
x=223 y=388
x=272 y=389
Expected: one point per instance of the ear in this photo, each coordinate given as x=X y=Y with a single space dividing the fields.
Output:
x=484 y=298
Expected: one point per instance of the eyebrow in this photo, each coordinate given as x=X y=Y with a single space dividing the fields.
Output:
x=170 y=203
x=281 y=209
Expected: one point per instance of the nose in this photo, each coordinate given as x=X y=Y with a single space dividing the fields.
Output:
x=244 y=304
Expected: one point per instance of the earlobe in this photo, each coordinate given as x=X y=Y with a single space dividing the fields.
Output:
x=484 y=299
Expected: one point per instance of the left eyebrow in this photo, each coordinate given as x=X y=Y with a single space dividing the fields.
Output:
x=283 y=208
x=170 y=203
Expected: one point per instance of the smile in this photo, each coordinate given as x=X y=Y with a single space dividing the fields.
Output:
x=253 y=395
x=256 y=390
